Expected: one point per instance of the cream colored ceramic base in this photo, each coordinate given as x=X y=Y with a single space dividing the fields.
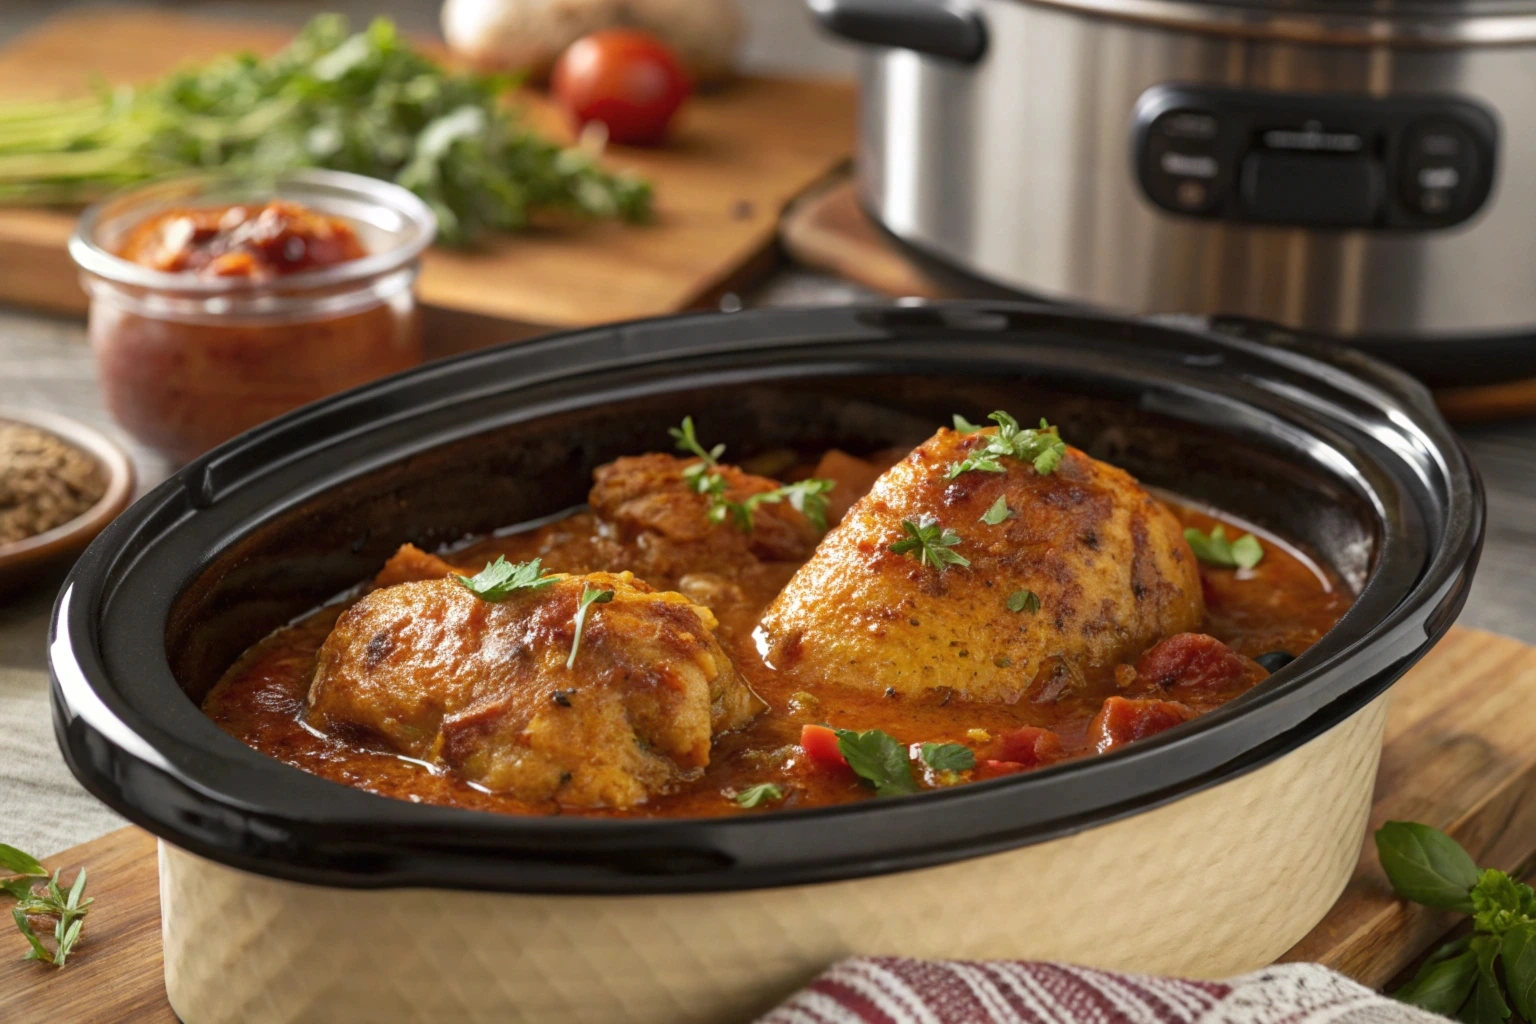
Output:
x=1215 y=884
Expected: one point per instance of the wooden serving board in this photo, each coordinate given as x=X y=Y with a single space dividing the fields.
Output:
x=826 y=229
x=738 y=158
x=1459 y=755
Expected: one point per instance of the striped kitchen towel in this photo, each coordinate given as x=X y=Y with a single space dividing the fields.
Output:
x=892 y=990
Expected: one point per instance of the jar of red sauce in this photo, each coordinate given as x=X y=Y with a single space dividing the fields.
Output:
x=218 y=304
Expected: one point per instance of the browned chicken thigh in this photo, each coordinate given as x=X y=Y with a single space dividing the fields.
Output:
x=521 y=696
x=1070 y=569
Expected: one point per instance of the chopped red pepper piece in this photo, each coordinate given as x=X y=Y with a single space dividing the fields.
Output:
x=820 y=746
x=1029 y=746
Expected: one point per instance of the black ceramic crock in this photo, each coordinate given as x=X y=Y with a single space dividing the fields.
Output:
x=1342 y=453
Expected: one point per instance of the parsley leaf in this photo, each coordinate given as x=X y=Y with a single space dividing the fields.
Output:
x=762 y=793
x=808 y=497
x=1024 y=601
x=876 y=757
x=948 y=757
x=688 y=441
x=589 y=597
x=931 y=541
x=1214 y=548
x=964 y=426
x=1042 y=448
x=501 y=578
x=998 y=513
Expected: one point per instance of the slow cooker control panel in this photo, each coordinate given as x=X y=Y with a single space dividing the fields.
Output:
x=1309 y=160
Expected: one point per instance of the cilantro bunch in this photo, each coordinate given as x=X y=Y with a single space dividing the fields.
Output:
x=1478 y=976
x=365 y=102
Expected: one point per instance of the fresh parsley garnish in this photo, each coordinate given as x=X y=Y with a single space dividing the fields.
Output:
x=964 y=426
x=67 y=909
x=998 y=513
x=931 y=541
x=501 y=578
x=367 y=102
x=589 y=597
x=948 y=757
x=762 y=793
x=1461 y=978
x=1214 y=548
x=877 y=758
x=1024 y=601
x=1041 y=447
x=688 y=441
x=808 y=497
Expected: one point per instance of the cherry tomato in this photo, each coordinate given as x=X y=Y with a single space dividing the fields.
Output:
x=628 y=80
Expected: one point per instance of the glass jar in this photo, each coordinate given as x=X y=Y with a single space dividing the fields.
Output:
x=188 y=361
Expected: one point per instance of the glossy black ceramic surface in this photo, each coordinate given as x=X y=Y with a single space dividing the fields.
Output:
x=1337 y=451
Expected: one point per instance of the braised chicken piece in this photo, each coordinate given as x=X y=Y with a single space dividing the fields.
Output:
x=1007 y=580
x=663 y=520
x=512 y=694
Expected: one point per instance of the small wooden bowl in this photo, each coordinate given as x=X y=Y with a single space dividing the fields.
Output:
x=28 y=562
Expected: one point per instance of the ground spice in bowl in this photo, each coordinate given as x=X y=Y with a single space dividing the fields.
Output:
x=44 y=481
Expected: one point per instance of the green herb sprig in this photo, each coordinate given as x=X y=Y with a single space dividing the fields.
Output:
x=998 y=513
x=1215 y=549
x=364 y=102
x=68 y=909
x=762 y=793
x=932 y=542
x=589 y=597
x=1042 y=448
x=878 y=759
x=808 y=497
x=501 y=579
x=1463 y=978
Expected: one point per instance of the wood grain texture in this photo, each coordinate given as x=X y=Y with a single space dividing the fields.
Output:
x=116 y=976
x=827 y=230
x=1458 y=756
x=737 y=159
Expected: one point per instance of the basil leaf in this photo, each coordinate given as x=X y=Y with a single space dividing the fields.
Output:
x=1487 y=1005
x=17 y=863
x=876 y=757
x=1441 y=986
x=762 y=793
x=998 y=513
x=1426 y=866
x=948 y=757
x=1520 y=967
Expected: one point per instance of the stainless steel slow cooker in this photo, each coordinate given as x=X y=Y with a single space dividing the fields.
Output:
x=1353 y=168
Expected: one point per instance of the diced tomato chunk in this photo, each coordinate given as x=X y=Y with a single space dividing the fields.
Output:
x=1121 y=720
x=1029 y=747
x=1196 y=662
x=820 y=746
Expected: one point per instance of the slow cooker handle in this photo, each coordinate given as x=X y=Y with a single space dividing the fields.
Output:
x=938 y=28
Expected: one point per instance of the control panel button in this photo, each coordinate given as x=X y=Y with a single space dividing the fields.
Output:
x=1439 y=169
x=1183 y=160
x=1305 y=189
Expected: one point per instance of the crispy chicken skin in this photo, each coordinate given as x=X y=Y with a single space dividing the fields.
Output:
x=1109 y=565
x=664 y=523
x=430 y=670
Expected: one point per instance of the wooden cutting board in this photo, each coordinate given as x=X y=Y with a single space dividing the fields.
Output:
x=826 y=229
x=1460 y=755
x=738 y=158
